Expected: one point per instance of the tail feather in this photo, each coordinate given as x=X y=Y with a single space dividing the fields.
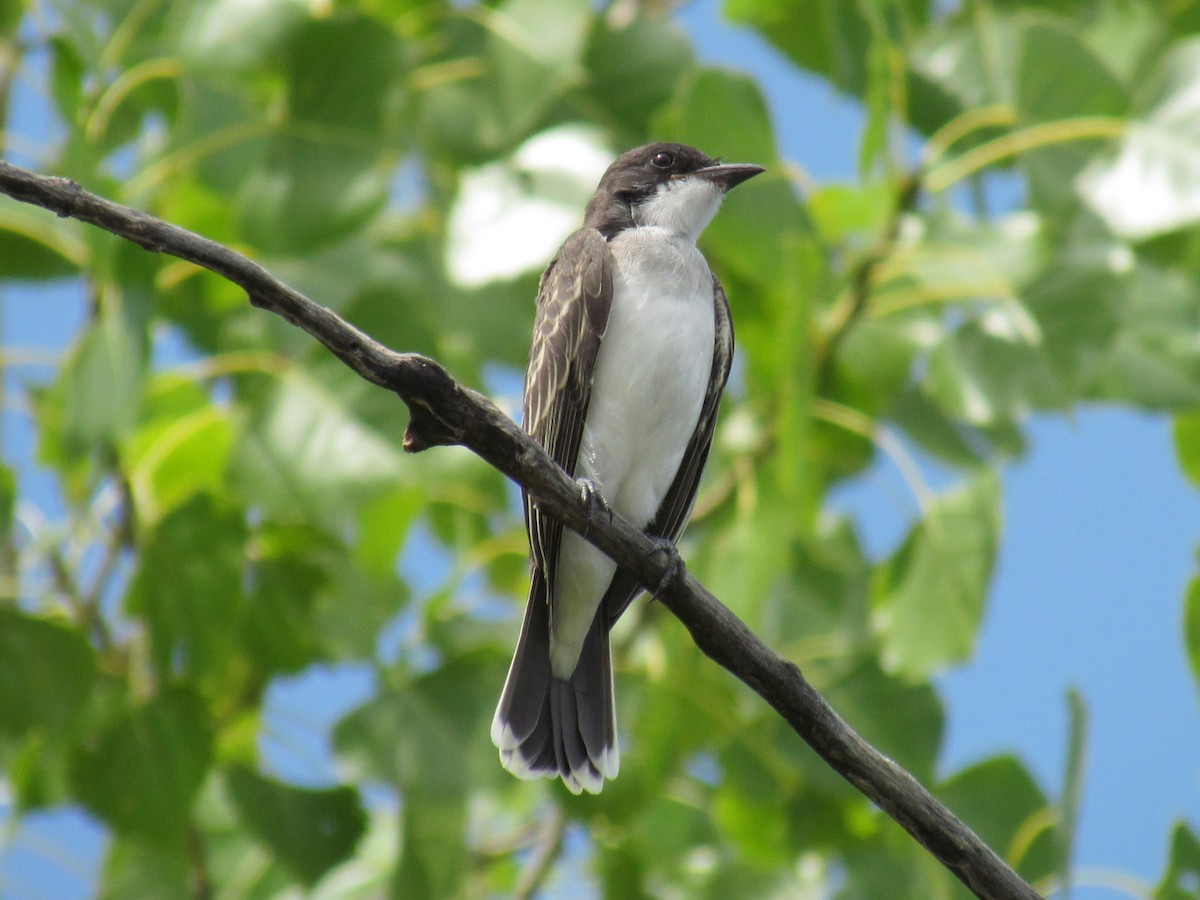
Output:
x=595 y=700
x=555 y=727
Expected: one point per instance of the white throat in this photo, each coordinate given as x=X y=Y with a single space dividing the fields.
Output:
x=682 y=206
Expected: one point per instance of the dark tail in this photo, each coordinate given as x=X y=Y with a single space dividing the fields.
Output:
x=547 y=726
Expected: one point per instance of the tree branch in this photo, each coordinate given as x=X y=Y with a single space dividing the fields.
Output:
x=444 y=412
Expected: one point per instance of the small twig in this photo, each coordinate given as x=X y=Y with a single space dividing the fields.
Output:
x=858 y=292
x=549 y=845
x=201 y=882
x=120 y=537
x=445 y=412
x=86 y=614
x=108 y=565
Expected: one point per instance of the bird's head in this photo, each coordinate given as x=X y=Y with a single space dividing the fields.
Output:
x=665 y=185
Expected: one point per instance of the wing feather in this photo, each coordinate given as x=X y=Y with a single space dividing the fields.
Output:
x=574 y=298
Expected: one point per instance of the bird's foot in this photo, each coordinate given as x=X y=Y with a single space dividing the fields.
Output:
x=675 y=566
x=589 y=491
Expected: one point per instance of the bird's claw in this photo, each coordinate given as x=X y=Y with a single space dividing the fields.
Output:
x=675 y=566
x=589 y=492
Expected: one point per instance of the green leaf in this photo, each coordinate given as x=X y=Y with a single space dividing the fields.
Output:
x=100 y=385
x=946 y=438
x=746 y=571
x=279 y=629
x=1001 y=801
x=929 y=596
x=828 y=37
x=981 y=379
x=308 y=600
x=1129 y=37
x=188 y=457
x=825 y=606
x=903 y=720
x=383 y=525
x=351 y=608
x=675 y=713
x=634 y=69
x=520 y=58
x=242 y=865
x=1155 y=362
x=1060 y=78
x=228 y=36
x=889 y=863
x=844 y=211
x=1152 y=184
x=322 y=176
x=8 y=500
x=748 y=809
x=669 y=830
x=118 y=120
x=309 y=830
x=429 y=738
x=47 y=676
x=1075 y=304
x=135 y=868
x=961 y=67
x=535 y=50
x=878 y=96
x=36 y=246
x=66 y=78
x=188 y=586
x=35 y=768
x=215 y=107
x=305 y=452
x=434 y=859
x=179 y=448
x=1186 y=432
x=875 y=360
x=10 y=18
x=1191 y=618
x=143 y=771
x=723 y=113
x=988 y=371
x=1183 y=866
x=420 y=735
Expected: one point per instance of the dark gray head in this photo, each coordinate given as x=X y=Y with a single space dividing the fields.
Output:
x=671 y=186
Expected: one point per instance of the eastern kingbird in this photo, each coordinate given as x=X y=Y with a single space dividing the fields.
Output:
x=631 y=349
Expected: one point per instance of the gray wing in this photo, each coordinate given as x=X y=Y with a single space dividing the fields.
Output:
x=574 y=298
x=676 y=507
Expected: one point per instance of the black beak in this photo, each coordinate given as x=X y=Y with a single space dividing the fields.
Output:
x=729 y=175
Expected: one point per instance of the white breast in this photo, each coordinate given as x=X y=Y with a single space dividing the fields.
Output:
x=652 y=370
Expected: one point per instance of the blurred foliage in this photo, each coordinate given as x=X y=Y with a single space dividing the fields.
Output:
x=233 y=513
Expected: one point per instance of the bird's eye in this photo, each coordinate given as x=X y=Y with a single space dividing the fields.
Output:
x=663 y=160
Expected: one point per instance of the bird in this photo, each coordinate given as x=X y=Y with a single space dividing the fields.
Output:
x=632 y=347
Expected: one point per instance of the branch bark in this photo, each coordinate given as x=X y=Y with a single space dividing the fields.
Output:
x=444 y=412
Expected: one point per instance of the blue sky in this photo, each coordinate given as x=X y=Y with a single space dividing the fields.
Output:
x=1099 y=543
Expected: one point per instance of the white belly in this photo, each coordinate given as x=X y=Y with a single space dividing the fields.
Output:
x=652 y=373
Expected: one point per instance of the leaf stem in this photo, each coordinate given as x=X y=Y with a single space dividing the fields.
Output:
x=850 y=307
x=549 y=846
x=1044 y=134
